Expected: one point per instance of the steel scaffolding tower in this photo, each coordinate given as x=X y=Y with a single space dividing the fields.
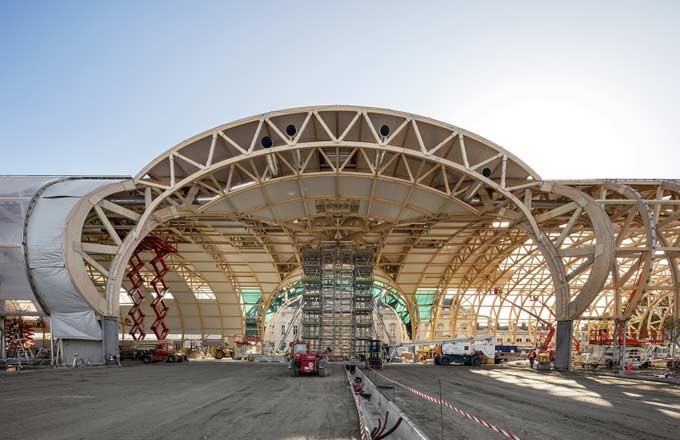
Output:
x=337 y=300
x=363 y=301
x=311 y=298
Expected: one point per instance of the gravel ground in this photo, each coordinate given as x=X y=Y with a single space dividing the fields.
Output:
x=535 y=405
x=195 y=400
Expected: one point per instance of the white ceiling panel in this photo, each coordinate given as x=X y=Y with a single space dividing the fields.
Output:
x=248 y=200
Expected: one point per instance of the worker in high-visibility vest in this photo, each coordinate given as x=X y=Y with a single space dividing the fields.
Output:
x=532 y=357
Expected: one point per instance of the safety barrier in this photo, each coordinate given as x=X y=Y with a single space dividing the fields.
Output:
x=365 y=433
x=451 y=407
x=384 y=416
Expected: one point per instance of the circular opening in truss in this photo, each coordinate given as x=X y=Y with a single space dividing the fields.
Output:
x=266 y=142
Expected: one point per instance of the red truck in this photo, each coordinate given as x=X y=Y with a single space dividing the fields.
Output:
x=163 y=352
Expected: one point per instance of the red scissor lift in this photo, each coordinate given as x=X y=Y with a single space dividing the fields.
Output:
x=161 y=248
x=18 y=334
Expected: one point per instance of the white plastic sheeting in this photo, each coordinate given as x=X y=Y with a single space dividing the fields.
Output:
x=73 y=317
x=77 y=325
x=16 y=193
x=43 y=279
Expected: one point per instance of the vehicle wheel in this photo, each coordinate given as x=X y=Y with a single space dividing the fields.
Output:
x=219 y=354
x=444 y=361
x=171 y=359
x=147 y=359
x=476 y=361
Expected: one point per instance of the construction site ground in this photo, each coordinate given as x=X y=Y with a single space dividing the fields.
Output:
x=198 y=400
x=533 y=404
x=258 y=400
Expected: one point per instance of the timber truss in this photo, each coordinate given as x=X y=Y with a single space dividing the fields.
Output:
x=460 y=226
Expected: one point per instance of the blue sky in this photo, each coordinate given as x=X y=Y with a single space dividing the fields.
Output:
x=576 y=90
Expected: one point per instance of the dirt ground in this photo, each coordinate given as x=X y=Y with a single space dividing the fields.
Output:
x=535 y=405
x=195 y=400
x=250 y=400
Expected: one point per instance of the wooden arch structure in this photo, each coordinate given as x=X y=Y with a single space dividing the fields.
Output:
x=459 y=225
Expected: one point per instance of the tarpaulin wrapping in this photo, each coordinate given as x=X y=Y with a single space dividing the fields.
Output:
x=77 y=325
x=45 y=234
x=16 y=193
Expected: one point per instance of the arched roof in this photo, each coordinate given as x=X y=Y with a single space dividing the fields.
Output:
x=338 y=125
x=452 y=217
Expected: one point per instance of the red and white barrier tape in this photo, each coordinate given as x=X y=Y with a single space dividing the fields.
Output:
x=365 y=434
x=451 y=407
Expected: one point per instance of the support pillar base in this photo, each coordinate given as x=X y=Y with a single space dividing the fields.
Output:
x=110 y=340
x=563 y=337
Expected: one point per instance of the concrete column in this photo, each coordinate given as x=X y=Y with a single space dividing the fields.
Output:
x=563 y=336
x=110 y=339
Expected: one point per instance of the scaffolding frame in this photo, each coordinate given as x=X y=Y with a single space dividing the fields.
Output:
x=337 y=300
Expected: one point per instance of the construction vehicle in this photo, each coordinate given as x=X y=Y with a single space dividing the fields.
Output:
x=610 y=350
x=243 y=347
x=302 y=361
x=467 y=351
x=544 y=360
x=473 y=350
x=374 y=355
x=545 y=356
x=163 y=352
x=222 y=351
